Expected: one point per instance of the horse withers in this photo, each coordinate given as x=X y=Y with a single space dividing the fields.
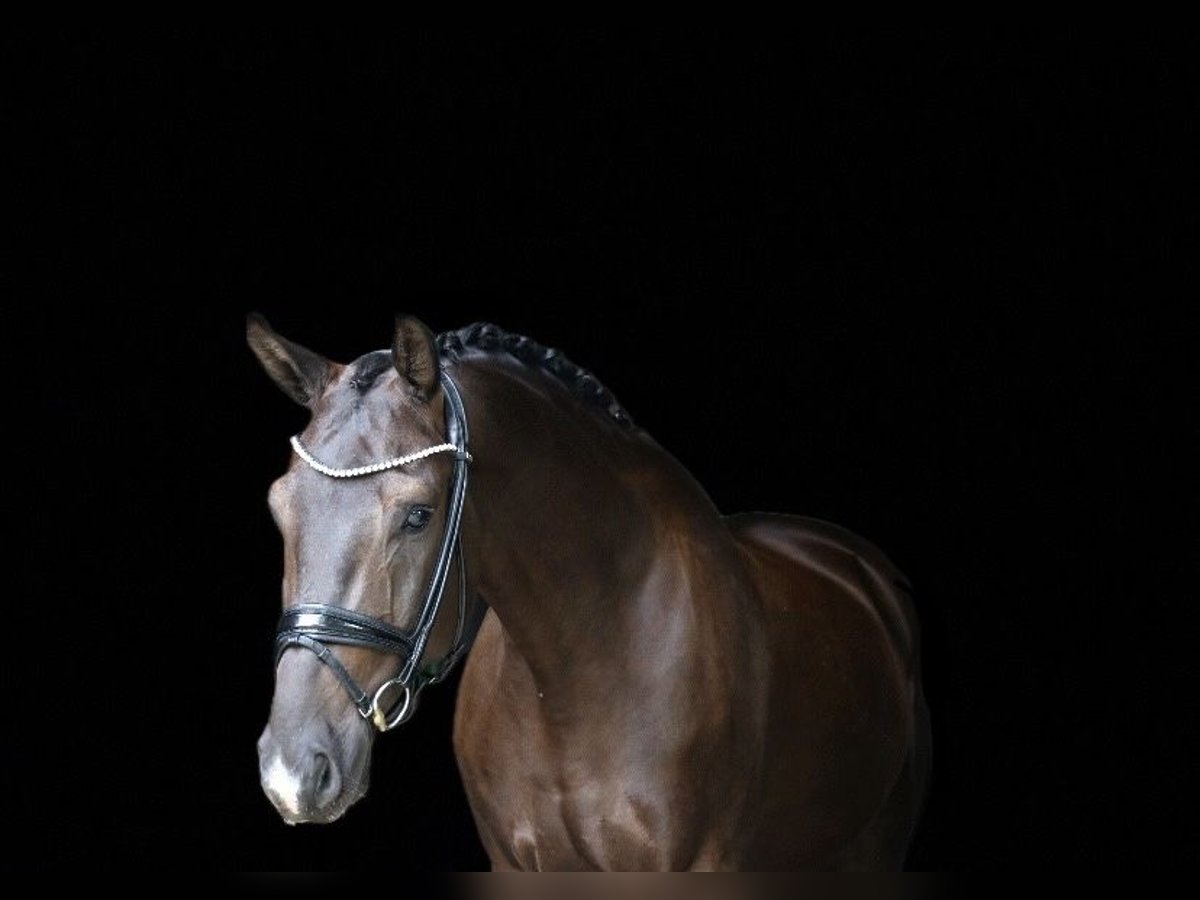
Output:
x=647 y=684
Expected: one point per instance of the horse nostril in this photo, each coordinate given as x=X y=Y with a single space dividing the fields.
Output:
x=325 y=780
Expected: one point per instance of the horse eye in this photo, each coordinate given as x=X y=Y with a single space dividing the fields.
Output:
x=418 y=518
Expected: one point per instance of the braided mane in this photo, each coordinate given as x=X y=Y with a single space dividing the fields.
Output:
x=491 y=338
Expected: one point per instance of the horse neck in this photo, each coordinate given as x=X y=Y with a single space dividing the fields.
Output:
x=571 y=517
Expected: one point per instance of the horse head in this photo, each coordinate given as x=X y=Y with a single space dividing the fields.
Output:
x=369 y=513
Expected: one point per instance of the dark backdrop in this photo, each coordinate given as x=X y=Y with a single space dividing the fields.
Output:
x=922 y=285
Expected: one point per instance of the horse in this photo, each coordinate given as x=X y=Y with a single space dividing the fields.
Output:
x=646 y=683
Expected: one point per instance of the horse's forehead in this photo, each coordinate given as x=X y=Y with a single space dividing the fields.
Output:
x=368 y=409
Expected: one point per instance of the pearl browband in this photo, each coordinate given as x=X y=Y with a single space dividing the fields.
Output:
x=373 y=467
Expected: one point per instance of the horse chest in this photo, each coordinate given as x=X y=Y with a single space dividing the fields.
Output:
x=553 y=789
x=530 y=822
x=538 y=808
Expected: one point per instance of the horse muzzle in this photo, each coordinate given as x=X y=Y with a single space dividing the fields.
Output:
x=306 y=780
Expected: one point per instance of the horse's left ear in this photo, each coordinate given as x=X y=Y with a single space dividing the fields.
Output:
x=415 y=356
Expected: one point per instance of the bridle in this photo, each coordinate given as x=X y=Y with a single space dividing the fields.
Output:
x=317 y=625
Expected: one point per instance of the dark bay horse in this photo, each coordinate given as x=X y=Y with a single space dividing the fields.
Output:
x=647 y=684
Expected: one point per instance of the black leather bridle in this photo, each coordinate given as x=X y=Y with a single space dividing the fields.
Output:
x=317 y=625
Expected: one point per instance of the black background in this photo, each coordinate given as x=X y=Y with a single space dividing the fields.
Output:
x=928 y=286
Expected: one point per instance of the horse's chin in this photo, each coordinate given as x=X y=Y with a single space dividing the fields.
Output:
x=325 y=816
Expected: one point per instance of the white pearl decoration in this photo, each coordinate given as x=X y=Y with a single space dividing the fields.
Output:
x=373 y=467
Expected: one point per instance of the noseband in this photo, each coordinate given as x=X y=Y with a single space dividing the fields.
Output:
x=316 y=625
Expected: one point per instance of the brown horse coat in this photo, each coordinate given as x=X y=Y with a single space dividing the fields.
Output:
x=654 y=685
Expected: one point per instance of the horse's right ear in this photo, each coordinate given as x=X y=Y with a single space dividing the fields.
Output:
x=300 y=373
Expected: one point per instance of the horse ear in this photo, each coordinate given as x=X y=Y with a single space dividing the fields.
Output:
x=300 y=373
x=415 y=356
